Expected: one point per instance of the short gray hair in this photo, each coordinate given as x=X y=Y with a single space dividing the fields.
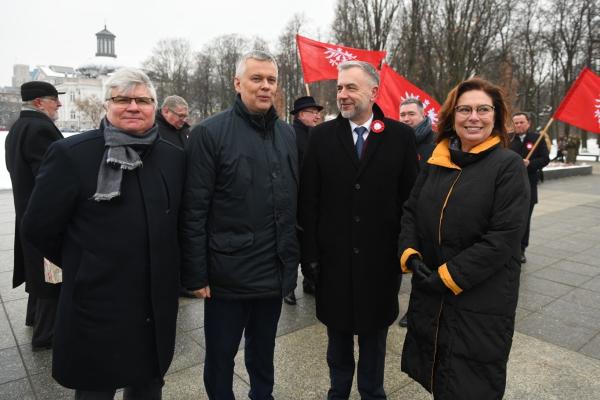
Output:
x=258 y=55
x=174 y=101
x=125 y=79
x=413 y=100
x=365 y=66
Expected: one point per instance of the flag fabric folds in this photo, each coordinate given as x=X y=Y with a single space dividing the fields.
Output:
x=581 y=105
x=320 y=60
x=394 y=89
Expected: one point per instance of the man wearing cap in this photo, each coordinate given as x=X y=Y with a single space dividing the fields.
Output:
x=26 y=144
x=307 y=114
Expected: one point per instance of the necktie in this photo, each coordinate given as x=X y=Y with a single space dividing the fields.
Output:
x=360 y=140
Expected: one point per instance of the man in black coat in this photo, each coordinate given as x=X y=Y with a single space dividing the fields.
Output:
x=522 y=143
x=172 y=120
x=105 y=208
x=358 y=171
x=307 y=114
x=26 y=144
x=238 y=231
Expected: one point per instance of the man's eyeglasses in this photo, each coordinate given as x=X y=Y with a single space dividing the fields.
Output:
x=313 y=112
x=466 y=111
x=125 y=101
x=179 y=115
x=51 y=98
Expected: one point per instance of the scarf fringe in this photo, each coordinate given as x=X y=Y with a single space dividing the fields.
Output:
x=105 y=196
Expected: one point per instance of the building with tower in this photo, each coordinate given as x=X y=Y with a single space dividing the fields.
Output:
x=83 y=85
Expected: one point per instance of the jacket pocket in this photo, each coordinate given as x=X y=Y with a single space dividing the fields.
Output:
x=482 y=337
x=230 y=242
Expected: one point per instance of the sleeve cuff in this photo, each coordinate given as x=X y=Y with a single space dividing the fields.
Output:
x=405 y=256
x=448 y=281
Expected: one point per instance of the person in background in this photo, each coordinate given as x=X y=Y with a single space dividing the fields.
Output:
x=105 y=209
x=412 y=113
x=522 y=142
x=25 y=146
x=307 y=114
x=460 y=238
x=172 y=120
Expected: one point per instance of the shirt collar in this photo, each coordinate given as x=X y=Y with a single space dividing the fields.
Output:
x=367 y=124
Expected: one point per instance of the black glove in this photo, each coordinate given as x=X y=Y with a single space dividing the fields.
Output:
x=433 y=283
x=420 y=270
x=311 y=270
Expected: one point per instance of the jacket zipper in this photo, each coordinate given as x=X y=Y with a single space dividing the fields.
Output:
x=437 y=328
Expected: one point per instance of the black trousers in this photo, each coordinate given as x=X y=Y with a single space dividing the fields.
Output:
x=224 y=322
x=42 y=312
x=525 y=240
x=371 y=364
x=149 y=391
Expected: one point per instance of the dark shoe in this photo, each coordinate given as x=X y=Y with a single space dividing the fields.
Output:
x=404 y=321
x=523 y=258
x=186 y=293
x=290 y=299
x=41 y=346
x=308 y=287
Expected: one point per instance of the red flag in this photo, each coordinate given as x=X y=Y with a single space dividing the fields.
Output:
x=394 y=89
x=581 y=105
x=320 y=60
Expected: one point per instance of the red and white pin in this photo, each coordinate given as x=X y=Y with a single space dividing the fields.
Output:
x=529 y=145
x=377 y=126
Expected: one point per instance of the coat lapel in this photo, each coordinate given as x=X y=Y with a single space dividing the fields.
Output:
x=345 y=137
x=371 y=146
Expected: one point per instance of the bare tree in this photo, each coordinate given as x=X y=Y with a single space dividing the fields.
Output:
x=290 y=84
x=92 y=108
x=364 y=24
x=170 y=67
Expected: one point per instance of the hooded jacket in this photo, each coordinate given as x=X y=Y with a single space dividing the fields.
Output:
x=462 y=221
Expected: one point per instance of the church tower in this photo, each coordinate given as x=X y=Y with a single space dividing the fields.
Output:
x=105 y=43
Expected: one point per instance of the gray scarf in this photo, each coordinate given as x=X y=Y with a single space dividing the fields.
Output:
x=119 y=156
x=422 y=130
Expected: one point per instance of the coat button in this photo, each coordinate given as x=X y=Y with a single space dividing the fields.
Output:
x=356 y=250
x=274 y=174
x=356 y=218
x=357 y=186
x=148 y=320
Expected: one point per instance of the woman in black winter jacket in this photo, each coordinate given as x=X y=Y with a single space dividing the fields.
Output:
x=461 y=233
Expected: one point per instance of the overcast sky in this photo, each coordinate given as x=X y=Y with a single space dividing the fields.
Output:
x=62 y=32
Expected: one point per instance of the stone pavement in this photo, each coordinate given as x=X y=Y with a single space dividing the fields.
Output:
x=556 y=347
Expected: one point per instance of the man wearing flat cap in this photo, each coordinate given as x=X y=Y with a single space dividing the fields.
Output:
x=26 y=144
x=307 y=114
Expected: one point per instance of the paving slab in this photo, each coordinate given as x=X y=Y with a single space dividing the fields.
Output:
x=12 y=365
x=17 y=390
x=555 y=331
x=561 y=276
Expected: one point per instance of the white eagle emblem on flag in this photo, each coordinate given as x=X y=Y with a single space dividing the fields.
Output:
x=338 y=56
x=429 y=111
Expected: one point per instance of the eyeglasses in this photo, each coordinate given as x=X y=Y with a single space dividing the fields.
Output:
x=179 y=115
x=51 y=98
x=466 y=111
x=313 y=112
x=125 y=101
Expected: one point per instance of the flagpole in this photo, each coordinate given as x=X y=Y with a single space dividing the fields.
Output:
x=542 y=134
x=307 y=89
